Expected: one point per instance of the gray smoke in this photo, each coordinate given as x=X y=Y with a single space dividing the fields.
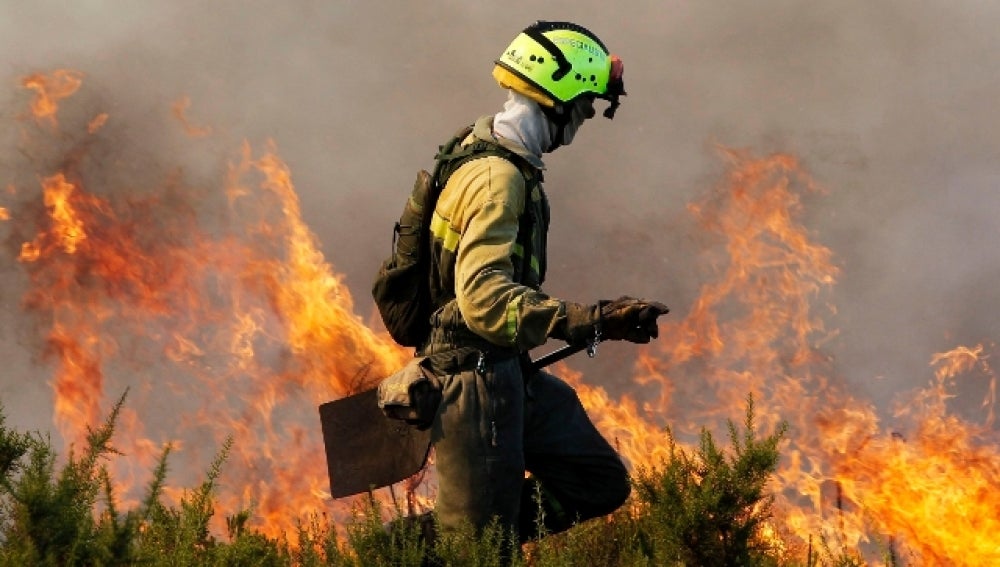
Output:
x=889 y=104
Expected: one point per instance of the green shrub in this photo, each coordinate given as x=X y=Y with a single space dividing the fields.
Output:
x=698 y=507
x=49 y=518
x=707 y=508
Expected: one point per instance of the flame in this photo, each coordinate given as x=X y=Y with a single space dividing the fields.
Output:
x=754 y=328
x=67 y=226
x=97 y=123
x=180 y=112
x=237 y=333
x=962 y=360
x=49 y=90
x=238 y=328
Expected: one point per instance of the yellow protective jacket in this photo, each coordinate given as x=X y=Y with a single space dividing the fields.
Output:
x=488 y=286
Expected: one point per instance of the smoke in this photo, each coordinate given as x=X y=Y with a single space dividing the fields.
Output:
x=888 y=104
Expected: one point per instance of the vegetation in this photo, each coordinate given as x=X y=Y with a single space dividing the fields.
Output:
x=703 y=507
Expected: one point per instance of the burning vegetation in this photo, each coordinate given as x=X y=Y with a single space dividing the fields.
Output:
x=215 y=308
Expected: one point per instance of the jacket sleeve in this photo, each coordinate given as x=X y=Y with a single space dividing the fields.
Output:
x=493 y=305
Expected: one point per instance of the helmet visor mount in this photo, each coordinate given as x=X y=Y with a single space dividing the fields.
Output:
x=616 y=86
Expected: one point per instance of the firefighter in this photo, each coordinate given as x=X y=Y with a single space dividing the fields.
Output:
x=497 y=420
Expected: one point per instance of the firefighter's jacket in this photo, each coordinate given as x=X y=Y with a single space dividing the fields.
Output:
x=486 y=282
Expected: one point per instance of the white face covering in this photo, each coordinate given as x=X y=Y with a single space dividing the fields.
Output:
x=522 y=121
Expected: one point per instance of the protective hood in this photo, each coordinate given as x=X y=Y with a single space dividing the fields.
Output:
x=522 y=121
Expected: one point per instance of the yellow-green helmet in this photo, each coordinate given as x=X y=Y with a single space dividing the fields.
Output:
x=556 y=62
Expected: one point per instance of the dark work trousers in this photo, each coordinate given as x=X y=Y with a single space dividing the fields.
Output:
x=493 y=426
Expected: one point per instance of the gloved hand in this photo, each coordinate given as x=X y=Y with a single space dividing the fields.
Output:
x=625 y=318
x=630 y=319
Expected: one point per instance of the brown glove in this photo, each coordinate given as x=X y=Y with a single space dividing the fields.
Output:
x=630 y=319
x=625 y=318
x=580 y=325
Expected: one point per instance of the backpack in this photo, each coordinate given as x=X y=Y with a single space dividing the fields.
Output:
x=402 y=285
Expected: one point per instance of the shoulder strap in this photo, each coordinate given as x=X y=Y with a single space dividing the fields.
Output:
x=448 y=159
x=446 y=154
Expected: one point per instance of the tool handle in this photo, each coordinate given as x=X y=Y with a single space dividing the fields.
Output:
x=555 y=356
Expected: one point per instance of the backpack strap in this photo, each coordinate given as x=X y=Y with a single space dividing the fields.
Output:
x=448 y=160
x=446 y=154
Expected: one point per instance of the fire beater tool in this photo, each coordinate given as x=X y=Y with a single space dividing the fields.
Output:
x=366 y=450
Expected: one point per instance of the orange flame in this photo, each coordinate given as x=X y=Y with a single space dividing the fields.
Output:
x=97 y=123
x=49 y=90
x=67 y=226
x=961 y=360
x=180 y=112
x=252 y=321
x=754 y=328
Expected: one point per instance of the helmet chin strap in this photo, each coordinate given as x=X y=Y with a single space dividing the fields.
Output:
x=560 y=117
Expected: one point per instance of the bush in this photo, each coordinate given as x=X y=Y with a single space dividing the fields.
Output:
x=48 y=518
x=698 y=507
x=705 y=508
